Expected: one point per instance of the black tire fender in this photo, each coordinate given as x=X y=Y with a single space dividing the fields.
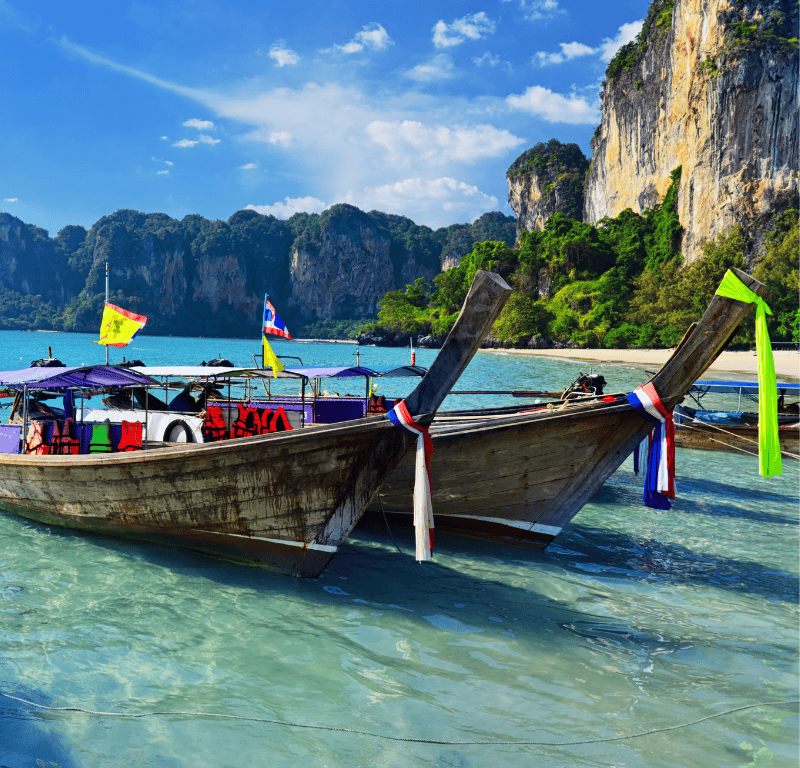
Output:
x=174 y=430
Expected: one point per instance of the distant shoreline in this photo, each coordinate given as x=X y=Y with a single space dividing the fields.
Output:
x=787 y=364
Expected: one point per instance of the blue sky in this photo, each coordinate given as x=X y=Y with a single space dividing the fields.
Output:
x=199 y=106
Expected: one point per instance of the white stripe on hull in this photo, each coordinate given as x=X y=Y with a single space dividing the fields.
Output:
x=546 y=530
x=320 y=547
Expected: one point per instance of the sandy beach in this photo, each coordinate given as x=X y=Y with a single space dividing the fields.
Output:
x=787 y=364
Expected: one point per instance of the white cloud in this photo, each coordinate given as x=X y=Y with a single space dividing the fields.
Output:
x=626 y=33
x=434 y=201
x=169 y=162
x=535 y=10
x=372 y=36
x=410 y=141
x=568 y=51
x=162 y=173
x=283 y=56
x=165 y=138
x=247 y=167
x=280 y=138
x=10 y=199
x=185 y=143
x=291 y=206
x=554 y=107
x=438 y=68
x=201 y=125
x=470 y=27
x=207 y=139
x=489 y=59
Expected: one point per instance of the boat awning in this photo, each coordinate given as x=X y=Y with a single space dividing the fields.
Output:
x=92 y=376
x=207 y=372
x=743 y=387
x=359 y=370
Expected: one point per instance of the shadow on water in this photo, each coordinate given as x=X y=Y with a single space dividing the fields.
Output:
x=631 y=494
x=25 y=739
x=610 y=552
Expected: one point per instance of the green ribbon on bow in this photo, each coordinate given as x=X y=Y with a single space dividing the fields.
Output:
x=769 y=448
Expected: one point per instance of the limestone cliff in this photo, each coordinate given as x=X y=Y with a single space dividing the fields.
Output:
x=712 y=86
x=346 y=274
x=547 y=179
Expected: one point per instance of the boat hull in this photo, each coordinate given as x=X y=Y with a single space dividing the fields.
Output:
x=518 y=479
x=284 y=502
x=735 y=438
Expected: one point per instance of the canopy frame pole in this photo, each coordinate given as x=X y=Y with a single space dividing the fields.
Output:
x=106 y=303
x=24 y=416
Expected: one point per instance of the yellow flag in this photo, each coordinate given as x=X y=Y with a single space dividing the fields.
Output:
x=271 y=359
x=118 y=326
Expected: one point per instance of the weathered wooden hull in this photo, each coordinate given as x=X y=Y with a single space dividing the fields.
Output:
x=734 y=438
x=284 y=502
x=518 y=479
x=521 y=479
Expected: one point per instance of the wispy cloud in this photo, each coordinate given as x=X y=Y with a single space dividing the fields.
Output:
x=626 y=33
x=555 y=107
x=372 y=36
x=289 y=207
x=201 y=125
x=470 y=27
x=280 y=138
x=536 y=10
x=10 y=199
x=208 y=140
x=488 y=59
x=162 y=173
x=282 y=55
x=438 y=68
x=248 y=167
x=436 y=200
x=568 y=51
x=185 y=143
x=411 y=141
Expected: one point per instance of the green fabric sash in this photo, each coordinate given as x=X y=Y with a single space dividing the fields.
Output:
x=769 y=448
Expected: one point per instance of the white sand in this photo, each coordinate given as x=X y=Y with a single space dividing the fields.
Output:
x=787 y=364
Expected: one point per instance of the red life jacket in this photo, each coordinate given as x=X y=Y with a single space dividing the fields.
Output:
x=247 y=422
x=279 y=421
x=35 y=441
x=64 y=442
x=377 y=404
x=131 y=439
x=214 y=426
x=266 y=418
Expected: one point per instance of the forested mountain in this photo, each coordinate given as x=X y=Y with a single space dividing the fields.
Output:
x=326 y=272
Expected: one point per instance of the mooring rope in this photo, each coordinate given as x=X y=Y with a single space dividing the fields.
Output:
x=406 y=739
x=708 y=426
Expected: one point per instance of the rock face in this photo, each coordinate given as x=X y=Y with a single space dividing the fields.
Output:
x=712 y=86
x=547 y=179
x=348 y=273
x=200 y=277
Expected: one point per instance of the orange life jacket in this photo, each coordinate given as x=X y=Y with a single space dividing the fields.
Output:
x=247 y=422
x=214 y=426
x=35 y=442
x=279 y=421
x=131 y=439
x=64 y=442
x=266 y=418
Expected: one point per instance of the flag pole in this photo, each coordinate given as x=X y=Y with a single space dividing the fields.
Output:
x=106 y=303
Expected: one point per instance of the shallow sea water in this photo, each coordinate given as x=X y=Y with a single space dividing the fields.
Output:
x=633 y=620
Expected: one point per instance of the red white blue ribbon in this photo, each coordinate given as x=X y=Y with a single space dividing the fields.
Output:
x=423 y=505
x=659 y=483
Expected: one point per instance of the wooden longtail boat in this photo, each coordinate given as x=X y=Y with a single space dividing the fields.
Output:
x=734 y=431
x=283 y=501
x=520 y=478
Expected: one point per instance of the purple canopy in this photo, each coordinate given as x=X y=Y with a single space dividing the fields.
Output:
x=82 y=376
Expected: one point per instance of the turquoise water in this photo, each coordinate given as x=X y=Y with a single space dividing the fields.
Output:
x=635 y=620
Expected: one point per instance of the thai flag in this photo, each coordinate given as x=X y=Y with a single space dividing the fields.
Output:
x=272 y=323
x=659 y=484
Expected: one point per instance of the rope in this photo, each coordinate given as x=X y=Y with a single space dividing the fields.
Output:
x=402 y=554
x=402 y=738
x=691 y=427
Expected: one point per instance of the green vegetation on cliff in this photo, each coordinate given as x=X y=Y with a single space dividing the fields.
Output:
x=619 y=284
